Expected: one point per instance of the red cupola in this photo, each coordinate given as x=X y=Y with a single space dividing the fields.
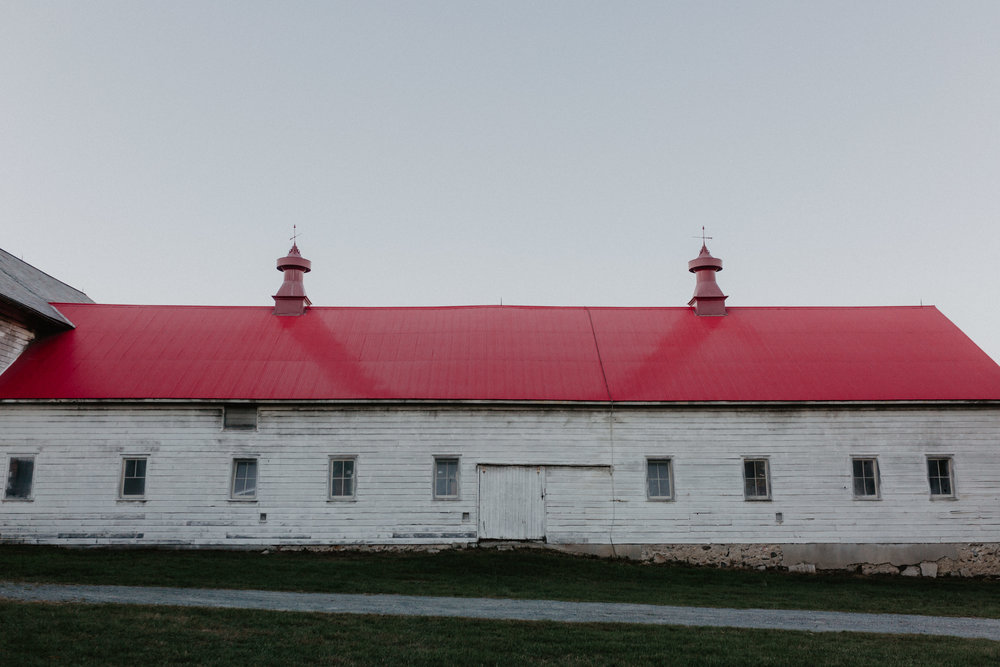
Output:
x=708 y=298
x=291 y=298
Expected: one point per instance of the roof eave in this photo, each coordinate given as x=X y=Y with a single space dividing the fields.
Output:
x=29 y=314
x=509 y=403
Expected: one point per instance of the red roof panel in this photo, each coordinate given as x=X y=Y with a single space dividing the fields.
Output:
x=508 y=353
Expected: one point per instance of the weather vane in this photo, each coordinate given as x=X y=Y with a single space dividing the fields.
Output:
x=703 y=237
x=295 y=235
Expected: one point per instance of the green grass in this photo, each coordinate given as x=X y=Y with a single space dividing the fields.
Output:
x=43 y=634
x=525 y=574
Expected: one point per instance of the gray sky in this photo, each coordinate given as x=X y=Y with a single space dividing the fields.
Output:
x=559 y=153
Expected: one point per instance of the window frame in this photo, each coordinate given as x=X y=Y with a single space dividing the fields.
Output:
x=951 y=477
x=237 y=428
x=458 y=477
x=122 y=477
x=354 y=478
x=767 y=478
x=669 y=462
x=244 y=498
x=876 y=477
x=30 y=496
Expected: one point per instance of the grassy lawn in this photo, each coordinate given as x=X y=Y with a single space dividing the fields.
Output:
x=42 y=634
x=526 y=574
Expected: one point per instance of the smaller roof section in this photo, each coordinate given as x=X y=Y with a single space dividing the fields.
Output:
x=31 y=292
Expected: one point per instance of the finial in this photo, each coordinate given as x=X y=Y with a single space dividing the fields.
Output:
x=294 y=239
x=704 y=245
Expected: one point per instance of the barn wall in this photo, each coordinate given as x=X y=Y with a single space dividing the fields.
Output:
x=14 y=337
x=78 y=452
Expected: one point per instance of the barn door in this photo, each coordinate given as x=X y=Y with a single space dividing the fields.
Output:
x=511 y=502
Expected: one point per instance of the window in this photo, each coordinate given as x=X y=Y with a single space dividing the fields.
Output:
x=756 y=479
x=939 y=474
x=446 y=478
x=865 y=473
x=244 y=479
x=239 y=418
x=342 y=478
x=133 y=478
x=659 y=479
x=19 y=476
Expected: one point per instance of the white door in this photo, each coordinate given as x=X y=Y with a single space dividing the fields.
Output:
x=511 y=502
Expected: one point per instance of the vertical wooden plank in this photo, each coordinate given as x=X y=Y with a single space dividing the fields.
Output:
x=511 y=505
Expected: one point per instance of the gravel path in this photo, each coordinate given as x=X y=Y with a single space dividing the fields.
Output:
x=525 y=610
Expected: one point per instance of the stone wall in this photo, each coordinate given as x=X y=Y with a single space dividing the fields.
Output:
x=914 y=560
x=908 y=560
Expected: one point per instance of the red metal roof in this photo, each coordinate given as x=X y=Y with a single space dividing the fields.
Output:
x=504 y=353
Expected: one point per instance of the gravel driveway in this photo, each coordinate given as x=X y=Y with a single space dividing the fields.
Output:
x=525 y=610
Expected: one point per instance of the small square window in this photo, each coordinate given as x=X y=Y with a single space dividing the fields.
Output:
x=446 y=478
x=133 y=478
x=659 y=479
x=756 y=479
x=239 y=418
x=244 y=485
x=342 y=485
x=941 y=476
x=20 y=474
x=864 y=472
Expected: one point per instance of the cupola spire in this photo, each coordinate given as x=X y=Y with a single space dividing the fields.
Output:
x=708 y=298
x=291 y=298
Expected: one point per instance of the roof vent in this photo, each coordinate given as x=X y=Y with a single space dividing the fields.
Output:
x=708 y=298
x=291 y=298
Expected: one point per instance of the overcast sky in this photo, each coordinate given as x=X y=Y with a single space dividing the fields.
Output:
x=556 y=153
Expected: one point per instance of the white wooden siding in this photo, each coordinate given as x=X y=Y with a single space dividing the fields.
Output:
x=595 y=476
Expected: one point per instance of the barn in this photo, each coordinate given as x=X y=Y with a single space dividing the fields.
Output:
x=789 y=437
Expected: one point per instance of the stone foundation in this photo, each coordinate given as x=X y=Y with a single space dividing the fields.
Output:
x=911 y=560
x=908 y=560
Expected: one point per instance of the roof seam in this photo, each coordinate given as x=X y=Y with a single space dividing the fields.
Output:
x=600 y=359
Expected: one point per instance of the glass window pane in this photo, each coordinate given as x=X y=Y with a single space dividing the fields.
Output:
x=946 y=486
x=134 y=486
x=245 y=479
x=658 y=479
x=865 y=473
x=755 y=478
x=19 y=478
x=239 y=418
x=341 y=477
x=939 y=476
x=446 y=477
